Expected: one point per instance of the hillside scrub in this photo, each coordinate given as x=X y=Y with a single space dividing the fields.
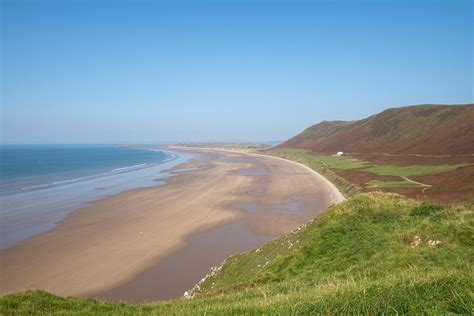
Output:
x=428 y=129
x=374 y=253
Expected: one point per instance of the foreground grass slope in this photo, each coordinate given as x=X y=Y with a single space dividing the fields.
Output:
x=374 y=253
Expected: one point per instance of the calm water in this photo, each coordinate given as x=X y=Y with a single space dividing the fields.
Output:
x=40 y=184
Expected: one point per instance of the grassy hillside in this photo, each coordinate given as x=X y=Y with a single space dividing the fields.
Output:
x=442 y=179
x=374 y=253
x=421 y=129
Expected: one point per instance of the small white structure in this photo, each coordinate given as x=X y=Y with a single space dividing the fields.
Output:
x=339 y=153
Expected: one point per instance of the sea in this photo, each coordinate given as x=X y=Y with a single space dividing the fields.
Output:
x=41 y=184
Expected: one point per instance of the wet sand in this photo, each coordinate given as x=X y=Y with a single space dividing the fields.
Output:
x=173 y=275
x=155 y=243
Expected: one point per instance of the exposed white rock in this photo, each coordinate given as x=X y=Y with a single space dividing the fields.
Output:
x=433 y=242
x=197 y=288
x=416 y=242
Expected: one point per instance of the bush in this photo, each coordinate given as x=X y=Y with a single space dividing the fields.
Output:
x=426 y=209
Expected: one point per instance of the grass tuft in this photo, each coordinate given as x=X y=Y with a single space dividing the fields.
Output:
x=427 y=209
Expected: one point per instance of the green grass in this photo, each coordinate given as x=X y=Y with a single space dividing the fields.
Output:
x=377 y=184
x=355 y=258
x=322 y=164
x=414 y=170
x=325 y=164
x=343 y=162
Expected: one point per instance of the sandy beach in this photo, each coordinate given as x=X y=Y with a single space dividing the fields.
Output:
x=127 y=247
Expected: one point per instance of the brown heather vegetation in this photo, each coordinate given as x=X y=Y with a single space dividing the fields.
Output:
x=421 y=135
x=420 y=129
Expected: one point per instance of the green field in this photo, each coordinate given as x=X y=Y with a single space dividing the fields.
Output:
x=414 y=170
x=336 y=162
x=359 y=257
x=343 y=162
x=376 y=184
x=325 y=165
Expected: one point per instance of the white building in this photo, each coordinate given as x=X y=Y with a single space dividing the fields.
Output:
x=339 y=153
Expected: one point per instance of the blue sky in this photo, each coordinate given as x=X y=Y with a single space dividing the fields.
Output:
x=151 y=71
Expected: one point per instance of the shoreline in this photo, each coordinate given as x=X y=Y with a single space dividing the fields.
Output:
x=220 y=194
x=338 y=195
x=32 y=212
